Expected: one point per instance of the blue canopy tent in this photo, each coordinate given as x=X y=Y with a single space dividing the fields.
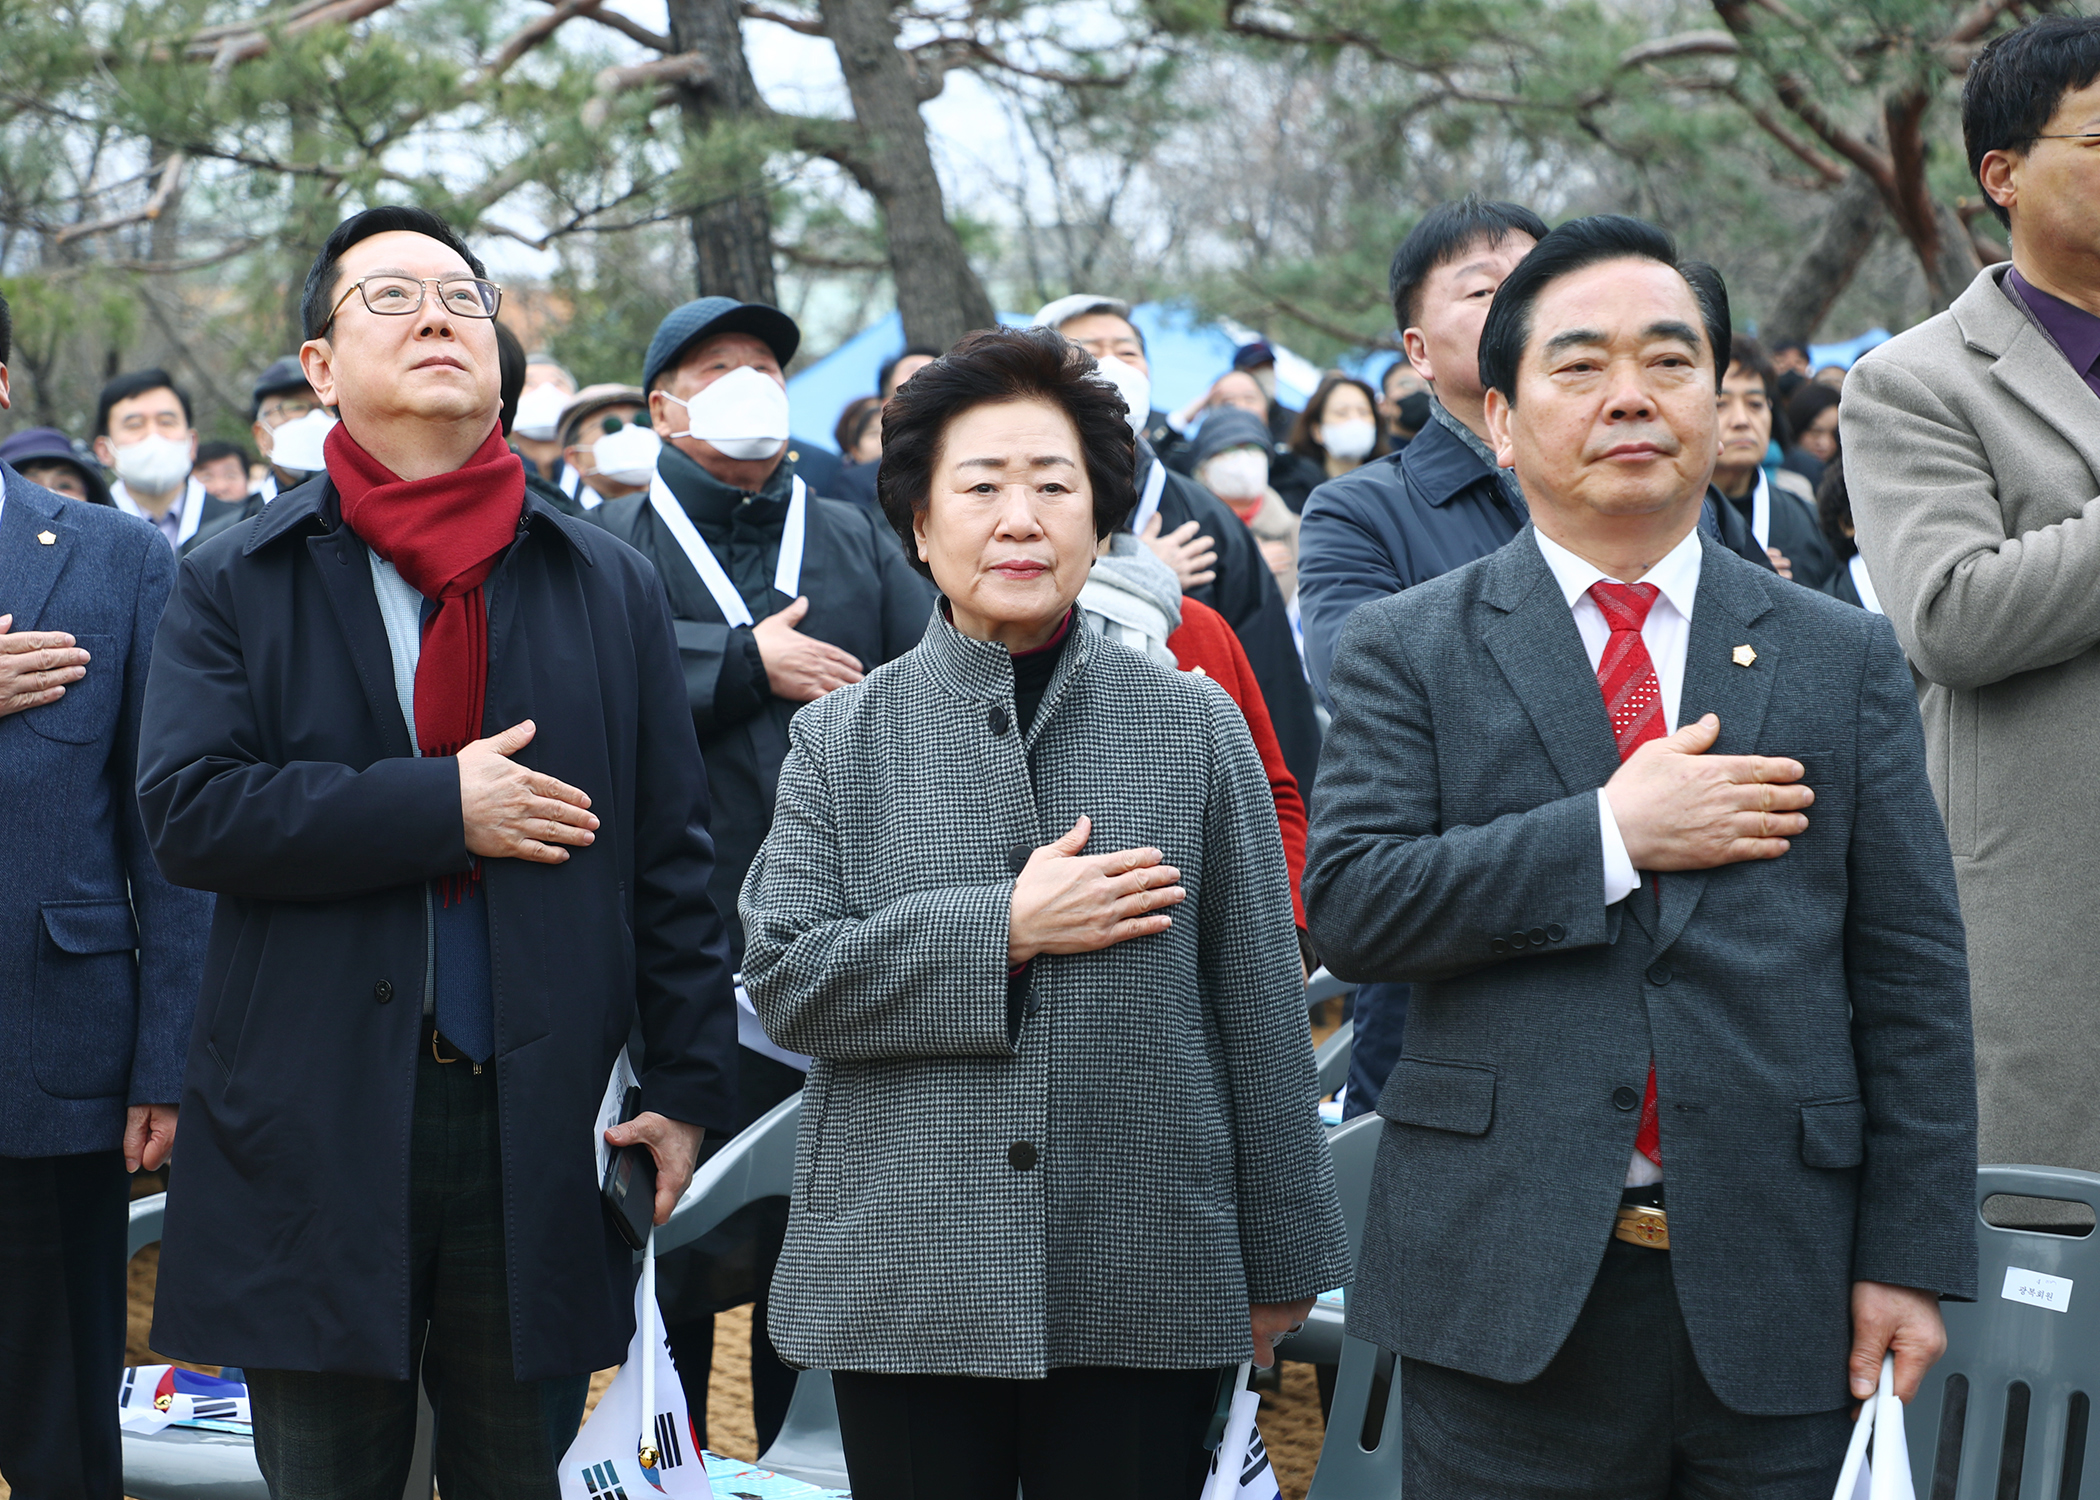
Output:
x=1185 y=353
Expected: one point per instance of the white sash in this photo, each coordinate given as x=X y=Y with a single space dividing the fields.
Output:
x=1761 y=511
x=1148 y=498
x=1870 y=600
x=192 y=502
x=787 y=576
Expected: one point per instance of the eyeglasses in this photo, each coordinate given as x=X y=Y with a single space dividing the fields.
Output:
x=2083 y=135
x=398 y=296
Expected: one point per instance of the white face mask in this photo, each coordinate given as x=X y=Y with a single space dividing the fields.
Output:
x=1348 y=440
x=627 y=456
x=1133 y=384
x=1237 y=473
x=539 y=411
x=153 y=465
x=743 y=415
x=297 y=444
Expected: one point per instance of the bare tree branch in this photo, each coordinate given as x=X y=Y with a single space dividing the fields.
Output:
x=687 y=68
x=807 y=25
x=969 y=51
x=170 y=182
x=239 y=46
x=1290 y=309
x=529 y=36
x=1686 y=44
x=631 y=29
x=1831 y=173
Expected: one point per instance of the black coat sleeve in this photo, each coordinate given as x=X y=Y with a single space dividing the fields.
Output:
x=681 y=953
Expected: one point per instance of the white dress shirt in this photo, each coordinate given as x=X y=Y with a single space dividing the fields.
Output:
x=1666 y=633
x=179 y=523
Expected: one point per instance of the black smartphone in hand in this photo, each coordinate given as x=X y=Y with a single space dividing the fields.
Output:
x=629 y=1189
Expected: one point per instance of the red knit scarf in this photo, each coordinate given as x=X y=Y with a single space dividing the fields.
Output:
x=444 y=535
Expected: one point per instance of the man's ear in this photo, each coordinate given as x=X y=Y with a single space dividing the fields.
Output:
x=1416 y=348
x=317 y=360
x=1498 y=413
x=3 y=387
x=106 y=451
x=660 y=404
x=1998 y=175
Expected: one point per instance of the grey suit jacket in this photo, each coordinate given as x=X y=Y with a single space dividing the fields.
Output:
x=1808 y=1016
x=1101 y=1163
x=1972 y=451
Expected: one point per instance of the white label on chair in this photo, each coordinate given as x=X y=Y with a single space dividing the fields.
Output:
x=2037 y=1289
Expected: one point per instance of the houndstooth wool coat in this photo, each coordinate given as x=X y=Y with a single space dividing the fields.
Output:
x=1100 y=1163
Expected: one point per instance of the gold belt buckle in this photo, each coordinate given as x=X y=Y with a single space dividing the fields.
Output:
x=1641 y=1224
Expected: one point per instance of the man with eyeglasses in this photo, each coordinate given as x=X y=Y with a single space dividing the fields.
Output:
x=1972 y=453
x=426 y=737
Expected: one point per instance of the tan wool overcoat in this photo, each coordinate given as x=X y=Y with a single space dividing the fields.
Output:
x=1972 y=453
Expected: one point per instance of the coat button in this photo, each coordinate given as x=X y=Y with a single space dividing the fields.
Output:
x=995 y=718
x=1538 y=937
x=1623 y=1097
x=1658 y=972
x=1020 y=1156
x=383 y=991
x=1555 y=932
x=1017 y=858
x=1498 y=945
x=1519 y=940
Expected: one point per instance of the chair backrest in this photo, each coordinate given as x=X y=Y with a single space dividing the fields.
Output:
x=1331 y=1058
x=1360 y=1456
x=1324 y=986
x=2005 y=1413
x=757 y=1162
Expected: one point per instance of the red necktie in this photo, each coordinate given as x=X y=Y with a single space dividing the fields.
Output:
x=1633 y=699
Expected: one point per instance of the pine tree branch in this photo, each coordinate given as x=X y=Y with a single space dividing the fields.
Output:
x=170 y=180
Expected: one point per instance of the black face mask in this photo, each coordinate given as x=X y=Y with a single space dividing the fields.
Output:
x=1414 y=411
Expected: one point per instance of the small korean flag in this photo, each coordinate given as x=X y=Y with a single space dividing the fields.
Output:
x=638 y=1443
x=1240 y=1469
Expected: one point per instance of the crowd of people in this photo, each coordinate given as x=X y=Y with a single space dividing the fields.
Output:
x=1664 y=740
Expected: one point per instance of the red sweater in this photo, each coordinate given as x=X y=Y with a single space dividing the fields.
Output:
x=1206 y=644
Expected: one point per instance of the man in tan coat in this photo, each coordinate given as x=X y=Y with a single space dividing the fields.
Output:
x=1972 y=449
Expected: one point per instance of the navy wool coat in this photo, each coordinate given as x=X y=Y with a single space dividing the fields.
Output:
x=279 y=772
x=99 y=956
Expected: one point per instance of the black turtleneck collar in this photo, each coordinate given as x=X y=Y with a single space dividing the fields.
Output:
x=719 y=510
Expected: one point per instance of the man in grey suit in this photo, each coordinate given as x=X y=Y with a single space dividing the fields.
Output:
x=1972 y=451
x=1680 y=1142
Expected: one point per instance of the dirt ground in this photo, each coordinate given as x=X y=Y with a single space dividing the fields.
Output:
x=1290 y=1418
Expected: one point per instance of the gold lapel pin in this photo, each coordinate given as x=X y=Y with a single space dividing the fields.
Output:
x=48 y=538
x=1743 y=656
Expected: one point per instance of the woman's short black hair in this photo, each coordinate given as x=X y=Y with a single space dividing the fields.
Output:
x=2015 y=84
x=991 y=366
x=1834 y=511
x=318 y=295
x=1305 y=427
x=1576 y=246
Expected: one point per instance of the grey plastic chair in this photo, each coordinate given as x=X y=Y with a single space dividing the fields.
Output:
x=1324 y=986
x=183 y=1464
x=2005 y=1413
x=1353 y=1146
x=1332 y=1058
x=759 y=1162
x=1350 y=1467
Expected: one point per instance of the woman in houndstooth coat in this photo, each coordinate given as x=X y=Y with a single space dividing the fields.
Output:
x=1025 y=903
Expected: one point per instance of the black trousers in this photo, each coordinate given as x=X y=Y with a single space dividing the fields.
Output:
x=1622 y=1413
x=327 y=1436
x=63 y=1223
x=1081 y=1434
